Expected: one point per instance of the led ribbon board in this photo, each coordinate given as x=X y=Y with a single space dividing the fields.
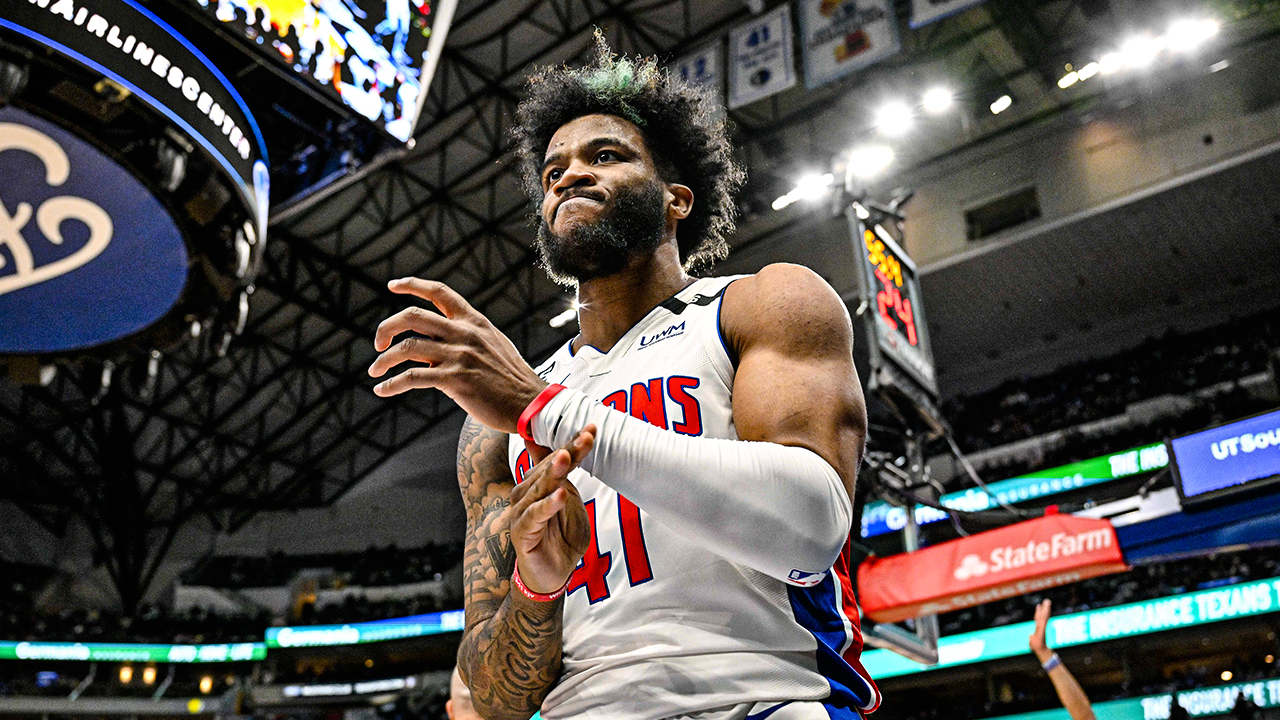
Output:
x=1228 y=459
x=1201 y=702
x=342 y=689
x=128 y=44
x=879 y=517
x=1168 y=613
x=131 y=652
x=357 y=633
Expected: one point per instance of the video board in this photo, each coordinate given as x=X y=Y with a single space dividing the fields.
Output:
x=368 y=54
x=1232 y=458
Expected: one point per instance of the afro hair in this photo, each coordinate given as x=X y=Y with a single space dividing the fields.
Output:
x=688 y=144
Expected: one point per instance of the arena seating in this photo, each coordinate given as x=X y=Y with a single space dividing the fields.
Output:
x=1173 y=364
x=374 y=567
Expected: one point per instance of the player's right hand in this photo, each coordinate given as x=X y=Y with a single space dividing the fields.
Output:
x=549 y=527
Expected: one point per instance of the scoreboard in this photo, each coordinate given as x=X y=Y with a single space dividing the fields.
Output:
x=890 y=292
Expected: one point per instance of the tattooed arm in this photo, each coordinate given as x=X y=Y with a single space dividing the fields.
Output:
x=510 y=655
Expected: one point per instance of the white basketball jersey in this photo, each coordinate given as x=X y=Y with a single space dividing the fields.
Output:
x=656 y=626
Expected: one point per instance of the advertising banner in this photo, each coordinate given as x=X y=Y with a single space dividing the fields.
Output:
x=124 y=41
x=703 y=67
x=1002 y=563
x=761 y=57
x=879 y=517
x=132 y=652
x=1229 y=458
x=357 y=633
x=924 y=12
x=1200 y=702
x=841 y=36
x=87 y=253
x=1247 y=599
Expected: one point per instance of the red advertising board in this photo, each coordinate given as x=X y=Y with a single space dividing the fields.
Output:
x=1007 y=562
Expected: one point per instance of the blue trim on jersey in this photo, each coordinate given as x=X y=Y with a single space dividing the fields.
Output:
x=766 y=713
x=841 y=713
x=818 y=611
x=733 y=361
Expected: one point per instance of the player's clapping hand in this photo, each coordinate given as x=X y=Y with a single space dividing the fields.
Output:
x=549 y=526
x=470 y=360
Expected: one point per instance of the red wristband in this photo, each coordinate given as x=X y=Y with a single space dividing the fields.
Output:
x=536 y=596
x=535 y=407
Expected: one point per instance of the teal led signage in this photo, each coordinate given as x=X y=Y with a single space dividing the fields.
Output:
x=879 y=517
x=1201 y=702
x=357 y=633
x=132 y=652
x=1140 y=618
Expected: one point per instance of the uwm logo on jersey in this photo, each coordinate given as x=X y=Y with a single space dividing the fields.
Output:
x=666 y=334
x=668 y=403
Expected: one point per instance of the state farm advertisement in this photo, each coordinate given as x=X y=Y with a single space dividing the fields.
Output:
x=994 y=565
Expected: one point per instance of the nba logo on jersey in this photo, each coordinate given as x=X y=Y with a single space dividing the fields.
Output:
x=805 y=579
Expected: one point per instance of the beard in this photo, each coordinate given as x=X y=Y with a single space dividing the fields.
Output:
x=633 y=224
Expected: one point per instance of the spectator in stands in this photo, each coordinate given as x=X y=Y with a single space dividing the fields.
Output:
x=459 y=706
x=1176 y=711
x=1244 y=709
x=1064 y=683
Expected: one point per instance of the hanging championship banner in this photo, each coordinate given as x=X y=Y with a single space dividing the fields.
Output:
x=841 y=36
x=761 y=58
x=702 y=67
x=924 y=12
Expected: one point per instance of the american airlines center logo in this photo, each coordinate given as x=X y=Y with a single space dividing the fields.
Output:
x=87 y=254
x=1059 y=545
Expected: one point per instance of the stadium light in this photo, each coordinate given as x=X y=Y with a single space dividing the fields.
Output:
x=1001 y=104
x=570 y=313
x=937 y=100
x=870 y=160
x=1088 y=71
x=809 y=187
x=894 y=118
x=1140 y=51
x=126 y=674
x=1111 y=62
x=149 y=675
x=1068 y=80
x=1187 y=35
x=206 y=684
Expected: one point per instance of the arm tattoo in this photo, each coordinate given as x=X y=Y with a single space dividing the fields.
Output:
x=510 y=652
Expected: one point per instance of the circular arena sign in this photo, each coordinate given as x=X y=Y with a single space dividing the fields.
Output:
x=88 y=255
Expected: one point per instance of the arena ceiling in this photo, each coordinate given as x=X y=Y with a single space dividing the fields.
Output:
x=286 y=418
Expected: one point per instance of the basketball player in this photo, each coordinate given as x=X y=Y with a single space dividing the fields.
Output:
x=653 y=515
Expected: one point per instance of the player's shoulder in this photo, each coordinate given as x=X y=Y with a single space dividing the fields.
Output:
x=785 y=299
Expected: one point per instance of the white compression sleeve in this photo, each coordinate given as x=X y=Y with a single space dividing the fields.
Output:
x=778 y=509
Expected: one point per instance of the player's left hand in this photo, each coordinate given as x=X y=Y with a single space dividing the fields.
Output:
x=1037 y=641
x=470 y=360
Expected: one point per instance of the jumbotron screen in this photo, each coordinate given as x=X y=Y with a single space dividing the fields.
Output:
x=368 y=53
